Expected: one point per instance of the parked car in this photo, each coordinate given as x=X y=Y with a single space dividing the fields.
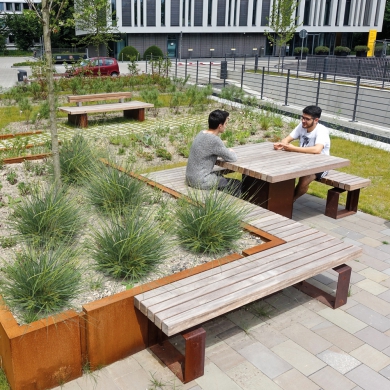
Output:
x=104 y=66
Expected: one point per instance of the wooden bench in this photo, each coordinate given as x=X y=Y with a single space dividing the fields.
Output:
x=342 y=182
x=182 y=306
x=78 y=115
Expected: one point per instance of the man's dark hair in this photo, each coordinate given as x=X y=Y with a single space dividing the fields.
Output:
x=216 y=118
x=313 y=111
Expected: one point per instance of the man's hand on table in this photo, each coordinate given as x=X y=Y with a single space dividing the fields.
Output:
x=284 y=146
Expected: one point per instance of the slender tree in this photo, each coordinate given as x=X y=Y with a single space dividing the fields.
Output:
x=49 y=13
x=282 y=23
x=95 y=20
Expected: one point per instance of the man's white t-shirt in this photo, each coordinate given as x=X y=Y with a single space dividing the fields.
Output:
x=320 y=135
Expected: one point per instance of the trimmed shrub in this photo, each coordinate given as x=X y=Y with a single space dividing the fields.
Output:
x=321 y=50
x=299 y=49
x=342 y=49
x=128 y=52
x=154 y=51
x=362 y=48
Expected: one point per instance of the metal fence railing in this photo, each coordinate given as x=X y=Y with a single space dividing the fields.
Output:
x=289 y=82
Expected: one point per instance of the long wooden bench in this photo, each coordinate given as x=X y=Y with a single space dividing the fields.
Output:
x=182 y=306
x=342 y=182
x=78 y=115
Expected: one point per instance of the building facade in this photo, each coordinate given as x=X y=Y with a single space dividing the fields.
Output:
x=206 y=28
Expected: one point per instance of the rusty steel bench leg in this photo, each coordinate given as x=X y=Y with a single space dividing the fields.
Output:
x=332 y=203
x=80 y=120
x=340 y=299
x=187 y=367
x=137 y=114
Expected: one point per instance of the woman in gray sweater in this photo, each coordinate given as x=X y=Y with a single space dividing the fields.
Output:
x=205 y=150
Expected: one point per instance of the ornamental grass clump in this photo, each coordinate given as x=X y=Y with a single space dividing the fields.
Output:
x=76 y=159
x=49 y=214
x=111 y=190
x=129 y=247
x=40 y=282
x=210 y=222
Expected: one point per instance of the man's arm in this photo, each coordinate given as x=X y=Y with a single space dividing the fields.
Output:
x=284 y=142
x=316 y=149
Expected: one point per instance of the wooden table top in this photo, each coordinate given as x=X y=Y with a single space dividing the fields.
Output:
x=261 y=161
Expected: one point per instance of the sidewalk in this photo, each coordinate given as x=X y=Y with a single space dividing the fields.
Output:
x=289 y=340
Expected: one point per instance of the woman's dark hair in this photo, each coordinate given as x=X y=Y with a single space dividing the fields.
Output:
x=216 y=118
x=313 y=111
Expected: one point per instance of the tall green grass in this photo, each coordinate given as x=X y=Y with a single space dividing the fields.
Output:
x=210 y=222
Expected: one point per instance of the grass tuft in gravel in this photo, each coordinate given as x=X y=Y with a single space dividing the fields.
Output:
x=76 y=159
x=49 y=214
x=41 y=282
x=113 y=191
x=129 y=246
x=210 y=223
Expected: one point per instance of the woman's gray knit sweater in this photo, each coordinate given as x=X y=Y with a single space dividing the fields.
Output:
x=203 y=154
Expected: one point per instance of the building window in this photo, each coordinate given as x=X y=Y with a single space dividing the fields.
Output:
x=235 y=13
x=367 y=13
x=327 y=13
x=151 y=14
x=254 y=12
x=338 y=13
x=230 y=13
x=1 y=6
x=306 y=13
x=378 y=7
x=18 y=7
x=142 y=12
x=183 y=14
x=243 y=13
x=126 y=13
x=162 y=12
x=189 y=11
x=8 y=6
x=265 y=10
x=210 y=10
x=198 y=12
x=347 y=12
x=175 y=13
x=221 y=12
x=113 y=12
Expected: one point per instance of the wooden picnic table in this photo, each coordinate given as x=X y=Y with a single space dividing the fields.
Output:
x=270 y=174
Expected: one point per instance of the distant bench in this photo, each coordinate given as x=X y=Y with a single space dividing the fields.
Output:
x=78 y=115
x=342 y=182
x=182 y=306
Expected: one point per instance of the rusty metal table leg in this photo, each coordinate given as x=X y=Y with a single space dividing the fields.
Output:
x=340 y=299
x=332 y=203
x=276 y=197
x=80 y=120
x=137 y=113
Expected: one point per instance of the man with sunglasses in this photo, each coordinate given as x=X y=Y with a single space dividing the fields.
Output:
x=313 y=138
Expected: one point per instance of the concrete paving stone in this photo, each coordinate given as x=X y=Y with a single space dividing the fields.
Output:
x=374 y=302
x=369 y=225
x=386 y=271
x=314 y=305
x=194 y=388
x=372 y=218
x=348 y=233
x=343 y=320
x=261 y=309
x=370 y=317
x=350 y=303
x=386 y=351
x=368 y=379
x=279 y=301
x=385 y=372
x=264 y=359
x=371 y=357
x=384 y=247
x=373 y=274
x=352 y=242
x=148 y=361
x=325 y=278
x=307 y=339
x=123 y=367
x=356 y=277
x=240 y=340
x=298 y=357
x=337 y=336
x=374 y=234
x=338 y=359
x=330 y=379
x=373 y=337
x=215 y=327
x=312 y=319
x=385 y=296
x=351 y=225
x=244 y=318
x=294 y=380
x=386 y=232
x=328 y=288
x=138 y=380
x=223 y=356
x=215 y=379
x=357 y=388
x=371 y=242
x=268 y=336
x=373 y=262
x=356 y=265
x=376 y=253
x=386 y=283
x=296 y=295
x=249 y=377
x=371 y=286
x=285 y=319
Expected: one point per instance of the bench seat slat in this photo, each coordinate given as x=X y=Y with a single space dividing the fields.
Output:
x=253 y=291
x=105 y=107
x=99 y=97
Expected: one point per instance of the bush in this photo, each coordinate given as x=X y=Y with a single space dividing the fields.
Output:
x=152 y=51
x=298 y=50
x=49 y=214
x=321 y=50
x=41 y=282
x=76 y=159
x=128 y=52
x=210 y=222
x=342 y=49
x=362 y=48
x=111 y=190
x=129 y=247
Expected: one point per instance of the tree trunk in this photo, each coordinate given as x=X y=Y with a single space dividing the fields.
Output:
x=51 y=93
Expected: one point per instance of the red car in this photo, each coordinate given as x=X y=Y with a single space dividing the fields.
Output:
x=103 y=66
